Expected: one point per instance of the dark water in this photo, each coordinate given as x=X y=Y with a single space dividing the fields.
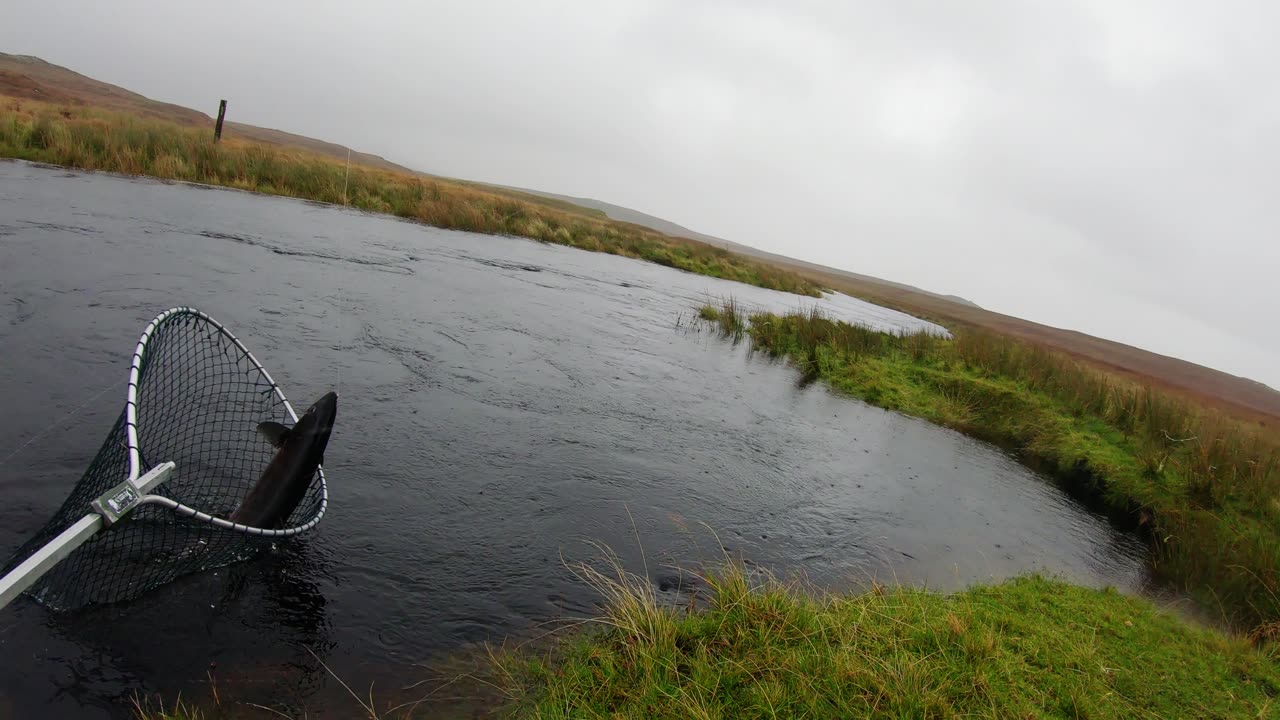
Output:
x=503 y=402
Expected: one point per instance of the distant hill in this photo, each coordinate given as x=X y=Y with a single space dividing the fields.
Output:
x=23 y=76
x=625 y=214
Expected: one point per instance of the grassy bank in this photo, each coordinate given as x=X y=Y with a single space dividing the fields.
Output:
x=92 y=139
x=756 y=648
x=1206 y=486
x=1030 y=647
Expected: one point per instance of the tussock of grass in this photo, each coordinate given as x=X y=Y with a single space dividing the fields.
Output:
x=101 y=140
x=147 y=709
x=729 y=319
x=1206 y=485
x=1030 y=647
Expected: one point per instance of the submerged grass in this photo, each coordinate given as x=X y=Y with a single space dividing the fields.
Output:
x=1205 y=486
x=1030 y=647
x=95 y=139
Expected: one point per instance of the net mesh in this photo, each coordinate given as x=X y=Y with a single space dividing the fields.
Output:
x=200 y=397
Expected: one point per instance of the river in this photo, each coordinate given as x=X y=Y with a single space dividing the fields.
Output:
x=504 y=403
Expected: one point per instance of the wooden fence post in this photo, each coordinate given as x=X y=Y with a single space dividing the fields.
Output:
x=344 y=177
x=222 y=113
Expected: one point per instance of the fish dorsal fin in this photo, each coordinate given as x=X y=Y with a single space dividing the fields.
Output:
x=274 y=432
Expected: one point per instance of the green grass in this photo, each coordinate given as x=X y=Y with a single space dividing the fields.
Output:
x=753 y=647
x=101 y=140
x=1205 y=487
x=1030 y=647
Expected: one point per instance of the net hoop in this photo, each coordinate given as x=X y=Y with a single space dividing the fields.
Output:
x=136 y=465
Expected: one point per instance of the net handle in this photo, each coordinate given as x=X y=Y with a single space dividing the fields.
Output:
x=135 y=452
x=115 y=503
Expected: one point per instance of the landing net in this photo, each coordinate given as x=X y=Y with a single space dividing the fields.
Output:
x=195 y=397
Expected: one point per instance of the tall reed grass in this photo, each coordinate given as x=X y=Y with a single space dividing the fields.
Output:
x=95 y=139
x=1205 y=486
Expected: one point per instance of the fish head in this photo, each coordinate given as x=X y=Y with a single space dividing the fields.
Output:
x=316 y=423
x=310 y=434
x=323 y=413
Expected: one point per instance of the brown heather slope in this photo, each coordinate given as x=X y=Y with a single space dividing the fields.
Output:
x=24 y=76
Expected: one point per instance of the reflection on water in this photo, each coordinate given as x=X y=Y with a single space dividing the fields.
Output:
x=504 y=403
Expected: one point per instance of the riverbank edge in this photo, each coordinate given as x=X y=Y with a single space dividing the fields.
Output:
x=761 y=648
x=1223 y=559
x=750 y=646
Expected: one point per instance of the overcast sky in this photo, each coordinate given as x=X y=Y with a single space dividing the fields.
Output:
x=1110 y=166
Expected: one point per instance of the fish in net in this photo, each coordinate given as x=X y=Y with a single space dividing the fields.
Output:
x=203 y=412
